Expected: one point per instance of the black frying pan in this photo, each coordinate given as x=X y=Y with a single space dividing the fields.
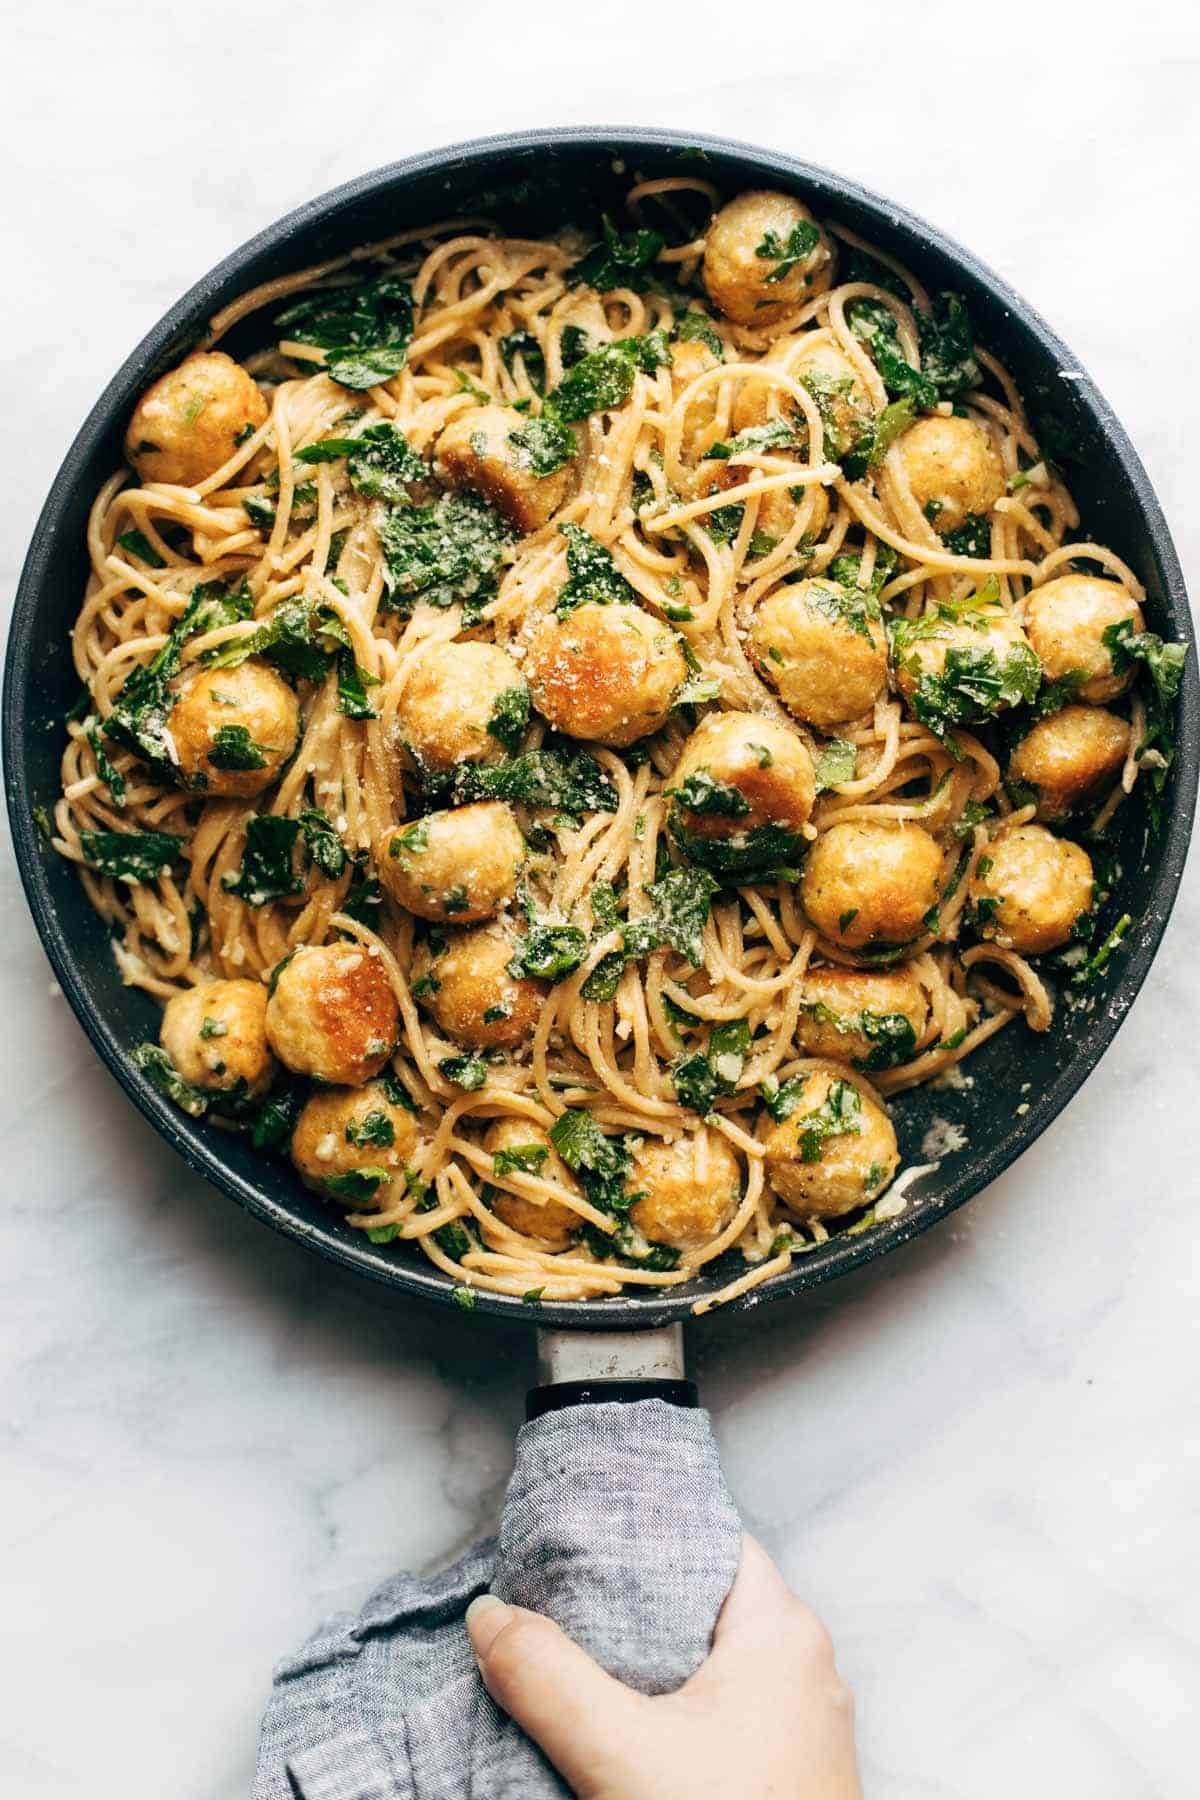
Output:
x=531 y=181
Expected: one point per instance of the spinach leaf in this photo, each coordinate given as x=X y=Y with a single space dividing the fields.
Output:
x=702 y=1075
x=1087 y=972
x=380 y=461
x=374 y=1128
x=569 y=781
x=618 y=261
x=158 y=1069
x=972 y=538
x=798 y=246
x=138 y=720
x=323 y=844
x=234 y=749
x=592 y=575
x=682 y=900
x=600 y=381
x=266 y=872
x=545 y=444
x=548 y=952
x=768 y=852
x=522 y=1159
x=526 y=346
x=601 y=1163
x=131 y=855
x=703 y=794
x=443 y=553
x=465 y=1071
x=839 y=1114
x=774 y=434
x=697 y=327
x=873 y=324
x=510 y=717
x=366 y=894
x=273 y=1122
x=364 y=329
x=1163 y=663
x=136 y=543
x=112 y=778
x=835 y=763
x=357 y=1186
x=948 y=347
x=287 y=638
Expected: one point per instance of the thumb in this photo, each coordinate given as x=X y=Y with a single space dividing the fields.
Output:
x=556 y=1693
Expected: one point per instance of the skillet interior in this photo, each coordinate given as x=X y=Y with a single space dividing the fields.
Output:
x=531 y=183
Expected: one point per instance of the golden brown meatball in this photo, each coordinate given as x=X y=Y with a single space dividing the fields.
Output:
x=823 y=647
x=234 y=729
x=762 y=255
x=605 y=673
x=189 y=421
x=842 y=400
x=460 y=865
x=476 y=450
x=1030 y=889
x=1066 y=621
x=777 y=508
x=469 y=991
x=870 y=1020
x=835 y=1151
x=691 y=1188
x=986 y=637
x=342 y=1131
x=866 y=883
x=952 y=469
x=333 y=1014
x=767 y=766
x=450 y=700
x=216 y=1038
x=550 y=1221
x=1070 y=758
x=688 y=362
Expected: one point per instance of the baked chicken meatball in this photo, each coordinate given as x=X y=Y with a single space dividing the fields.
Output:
x=476 y=450
x=989 y=638
x=608 y=674
x=234 y=729
x=550 y=1221
x=767 y=765
x=1030 y=889
x=188 y=422
x=821 y=366
x=823 y=648
x=762 y=254
x=333 y=1014
x=447 y=713
x=860 y=1017
x=341 y=1131
x=468 y=989
x=690 y=1188
x=215 y=1036
x=1070 y=758
x=865 y=883
x=689 y=361
x=835 y=1151
x=458 y=865
x=952 y=469
x=1066 y=621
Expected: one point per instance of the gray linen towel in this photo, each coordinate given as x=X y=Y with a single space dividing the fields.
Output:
x=617 y=1523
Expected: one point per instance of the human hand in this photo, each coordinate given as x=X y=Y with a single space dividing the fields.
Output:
x=766 y=1717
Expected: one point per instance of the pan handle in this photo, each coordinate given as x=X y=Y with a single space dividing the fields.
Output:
x=577 y=1367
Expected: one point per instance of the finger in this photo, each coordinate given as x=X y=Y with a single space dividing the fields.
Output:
x=566 y=1702
x=764 y=1623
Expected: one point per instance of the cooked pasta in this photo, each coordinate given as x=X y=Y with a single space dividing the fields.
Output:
x=570 y=732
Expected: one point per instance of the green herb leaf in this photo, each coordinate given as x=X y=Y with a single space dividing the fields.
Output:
x=364 y=329
x=568 y=781
x=592 y=575
x=267 y=871
x=701 y=793
x=322 y=842
x=158 y=1068
x=357 y=1186
x=697 y=327
x=510 y=716
x=136 y=543
x=601 y=1163
x=600 y=381
x=618 y=261
x=799 y=245
x=374 y=1128
x=545 y=444
x=233 y=748
x=522 y=1159
x=465 y=1071
x=775 y=434
x=526 y=346
x=836 y=763
x=548 y=952
x=443 y=553
x=112 y=778
x=131 y=855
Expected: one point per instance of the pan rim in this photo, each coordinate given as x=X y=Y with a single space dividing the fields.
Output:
x=200 y=1151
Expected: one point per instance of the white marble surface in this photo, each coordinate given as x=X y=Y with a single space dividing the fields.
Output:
x=979 y=1461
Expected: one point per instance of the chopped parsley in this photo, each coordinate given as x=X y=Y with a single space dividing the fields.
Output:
x=374 y=1128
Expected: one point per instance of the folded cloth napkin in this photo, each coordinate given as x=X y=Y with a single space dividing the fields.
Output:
x=617 y=1524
